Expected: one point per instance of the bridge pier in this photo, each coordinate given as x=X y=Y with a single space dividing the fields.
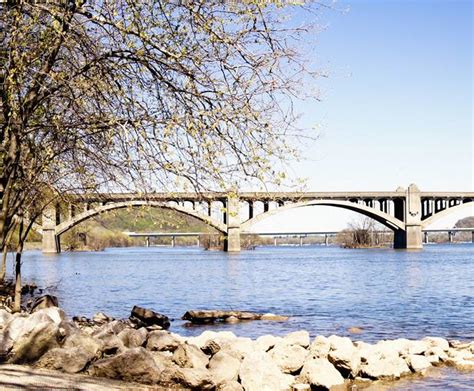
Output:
x=51 y=243
x=412 y=236
x=232 y=239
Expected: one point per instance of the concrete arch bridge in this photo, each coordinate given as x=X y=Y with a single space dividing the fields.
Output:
x=405 y=211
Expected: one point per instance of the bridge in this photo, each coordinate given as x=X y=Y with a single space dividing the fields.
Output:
x=407 y=212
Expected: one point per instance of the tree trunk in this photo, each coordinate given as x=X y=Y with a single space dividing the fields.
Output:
x=17 y=301
x=3 y=269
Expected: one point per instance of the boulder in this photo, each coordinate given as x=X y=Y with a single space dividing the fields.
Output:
x=208 y=335
x=273 y=317
x=211 y=316
x=32 y=345
x=259 y=373
x=45 y=301
x=320 y=347
x=70 y=360
x=320 y=374
x=437 y=342
x=85 y=342
x=297 y=338
x=190 y=378
x=230 y=386
x=133 y=338
x=160 y=340
x=289 y=358
x=149 y=317
x=111 y=344
x=100 y=317
x=344 y=356
x=266 y=342
x=5 y=317
x=223 y=367
x=190 y=356
x=111 y=328
x=417 y=363
x=384 y=368
x=238 y=347
x=136 y=365
x=417 y=347
x=211 y=348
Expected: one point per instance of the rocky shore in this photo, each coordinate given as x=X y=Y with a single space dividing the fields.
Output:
x=141 y=350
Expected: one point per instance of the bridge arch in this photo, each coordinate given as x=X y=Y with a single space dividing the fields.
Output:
x=381 y=217
x=68 y=224
x=439 y=215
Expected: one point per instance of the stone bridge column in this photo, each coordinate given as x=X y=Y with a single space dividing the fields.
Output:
x=412 y=237
x=232 y=240
x=50 y=242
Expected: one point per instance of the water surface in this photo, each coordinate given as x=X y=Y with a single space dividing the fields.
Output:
x=326 y=290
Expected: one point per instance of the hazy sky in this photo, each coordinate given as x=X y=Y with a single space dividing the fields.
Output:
x=397 y=106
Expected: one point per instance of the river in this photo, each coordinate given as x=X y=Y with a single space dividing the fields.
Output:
x=326 y=290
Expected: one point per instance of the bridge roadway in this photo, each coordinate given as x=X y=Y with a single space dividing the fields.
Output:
x=405 y=211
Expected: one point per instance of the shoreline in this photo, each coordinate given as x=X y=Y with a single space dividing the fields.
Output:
x=141 y=350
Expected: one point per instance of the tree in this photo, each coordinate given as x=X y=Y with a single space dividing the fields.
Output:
x=120 y=95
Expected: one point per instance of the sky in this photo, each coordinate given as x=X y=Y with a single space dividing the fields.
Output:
x=397 y=106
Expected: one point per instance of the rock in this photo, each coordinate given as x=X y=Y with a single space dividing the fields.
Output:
x=190 y=356
x=266 y=342
x=211 y=316
x=417 y=363
x=320 y=347
x=211 y=348
x=436 y=354
x=111 y=328
x=132 y=338
x=297 y=338
x=273 y=317
x=223 y=367
x=194 y=378
x=100 y=317
x=230 y=386
x=208 y=335
x=150 y=317
x=111 y=344
x=454 y=343
x=344 y=356
x=32 y=345
x=320 y=374
x=437 y=342
x=289 y=358
x=232 y=319
x=259 y=373
x=417 y=347
x=355 y=330
x=238 y=347
x=300 y=387
x=136 y=365
x=5 y=317
x=160 y=340
x=461 y=363
x=85 y=342
x=45 y=301
x=70 y=360
x=56 y=314
x=384 y=368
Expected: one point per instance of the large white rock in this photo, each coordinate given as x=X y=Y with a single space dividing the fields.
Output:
x=84 y=341
x=320 y=347
x=190 y=356
x=230 y=386
x=298 y=338
x=5 y=317
x=289 y=358
x=259 y=373
x=208 y=335
x=132 y=338
x=239 y=347
x=417 y=363
x=417 y=347
x=266 y=342
x=437 y=342
x=384 y=368
x=223 y=367
x=321 y=374
x=344 y=355
x=70 y=360
x=161 y=340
